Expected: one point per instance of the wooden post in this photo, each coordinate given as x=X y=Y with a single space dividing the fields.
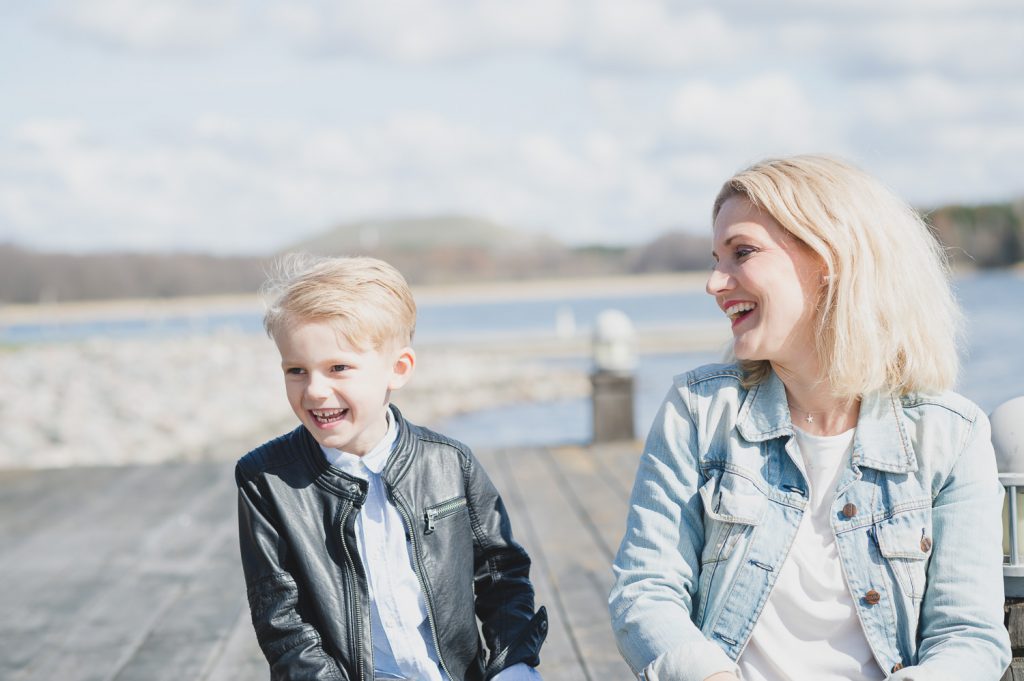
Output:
x=1014 y=609
x=612 y=379
x=612 y=406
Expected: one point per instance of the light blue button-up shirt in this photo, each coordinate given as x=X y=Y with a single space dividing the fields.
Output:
x=403 y=645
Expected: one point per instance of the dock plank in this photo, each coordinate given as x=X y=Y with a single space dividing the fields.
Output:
x=618 y=464
x=132 y=573
x=241 y=658
x=76 y=567
x=600 y=506
x=579 y=568
x=560 y=657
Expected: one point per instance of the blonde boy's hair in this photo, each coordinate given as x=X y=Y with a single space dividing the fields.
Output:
x=367 y=300
x=887 y=318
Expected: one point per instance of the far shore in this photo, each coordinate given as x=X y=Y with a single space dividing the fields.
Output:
x=454 y=293
x=468 y=292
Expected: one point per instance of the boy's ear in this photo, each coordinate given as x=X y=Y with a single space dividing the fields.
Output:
x=401 y=371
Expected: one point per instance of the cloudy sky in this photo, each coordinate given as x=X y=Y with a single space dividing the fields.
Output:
x=240 y=126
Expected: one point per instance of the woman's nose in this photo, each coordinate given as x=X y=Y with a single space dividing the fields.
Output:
x=718 y=281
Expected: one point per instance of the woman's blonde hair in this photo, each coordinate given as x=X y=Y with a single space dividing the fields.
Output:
x=367 y=300
x=887 y=316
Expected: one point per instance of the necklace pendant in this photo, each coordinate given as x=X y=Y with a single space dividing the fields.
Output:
x=809 y=418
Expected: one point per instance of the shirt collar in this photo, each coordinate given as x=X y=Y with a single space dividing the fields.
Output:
x=880 y=442
x=373 y=461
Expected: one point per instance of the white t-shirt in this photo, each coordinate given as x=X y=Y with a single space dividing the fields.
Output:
x=809 y=628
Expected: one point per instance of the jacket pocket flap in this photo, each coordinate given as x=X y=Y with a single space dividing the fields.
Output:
x=733 y=498
x=900 y=538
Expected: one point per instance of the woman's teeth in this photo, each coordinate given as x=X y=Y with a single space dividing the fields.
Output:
x=734 y=311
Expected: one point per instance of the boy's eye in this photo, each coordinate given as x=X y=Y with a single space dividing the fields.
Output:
x=340 y=367
x=295 y=371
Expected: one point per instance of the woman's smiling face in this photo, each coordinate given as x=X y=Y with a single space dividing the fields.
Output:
x=767 y=282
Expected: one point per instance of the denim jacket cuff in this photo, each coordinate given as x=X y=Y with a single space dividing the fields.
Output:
x=690 y=661
x=922 y=673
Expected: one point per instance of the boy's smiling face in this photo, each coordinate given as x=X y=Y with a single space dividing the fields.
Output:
x=338 y=391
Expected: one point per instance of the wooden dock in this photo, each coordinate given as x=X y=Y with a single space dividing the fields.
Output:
x=132 y=573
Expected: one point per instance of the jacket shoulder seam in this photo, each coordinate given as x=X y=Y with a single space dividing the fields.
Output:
x=966 y=410
x=708 y=372
x=272 y=455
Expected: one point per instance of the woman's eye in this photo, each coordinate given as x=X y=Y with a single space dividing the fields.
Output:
x=744 y=251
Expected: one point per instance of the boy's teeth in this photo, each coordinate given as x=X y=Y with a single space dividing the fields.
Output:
x=734 y=311
x=327 y=413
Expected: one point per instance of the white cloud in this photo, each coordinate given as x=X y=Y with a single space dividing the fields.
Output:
x=204 y=190
x=658 y=103
x=153 y=25
x=648 y=34
x=761 y=114
x=958 y=37
x=421 y=30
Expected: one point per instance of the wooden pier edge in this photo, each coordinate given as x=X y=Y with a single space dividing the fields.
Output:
x=1014 y=609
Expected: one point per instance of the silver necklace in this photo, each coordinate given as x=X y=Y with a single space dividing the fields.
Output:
x=809 y=415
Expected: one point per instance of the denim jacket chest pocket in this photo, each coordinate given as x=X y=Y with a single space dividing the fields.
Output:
x=733 y=506
x=904 y=542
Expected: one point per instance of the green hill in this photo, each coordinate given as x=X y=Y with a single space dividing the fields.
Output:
x=422 y=235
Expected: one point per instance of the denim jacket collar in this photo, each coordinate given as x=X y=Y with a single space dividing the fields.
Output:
x=881 y=441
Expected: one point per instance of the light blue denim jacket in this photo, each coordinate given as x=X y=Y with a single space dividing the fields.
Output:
x=718 y=498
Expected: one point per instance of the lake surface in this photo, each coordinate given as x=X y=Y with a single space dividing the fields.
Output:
x=993 y=367
x=436 y=322
x=992 y=370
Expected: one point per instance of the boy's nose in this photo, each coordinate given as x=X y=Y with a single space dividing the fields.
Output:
x=317 y=386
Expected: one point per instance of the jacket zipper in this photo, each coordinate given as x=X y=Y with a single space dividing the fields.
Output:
x=440 y=511
x=355 y=598
x=407 y=517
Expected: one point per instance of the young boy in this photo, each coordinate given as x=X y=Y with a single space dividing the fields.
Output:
x=370 y=545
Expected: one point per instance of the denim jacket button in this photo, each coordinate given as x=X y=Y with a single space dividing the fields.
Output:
x=926 y=544
x=872 y=597
x=850 y=510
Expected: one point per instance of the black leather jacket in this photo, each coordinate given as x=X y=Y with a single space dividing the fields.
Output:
x=306 y=585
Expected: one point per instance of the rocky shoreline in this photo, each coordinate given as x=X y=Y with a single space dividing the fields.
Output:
x=109 y=401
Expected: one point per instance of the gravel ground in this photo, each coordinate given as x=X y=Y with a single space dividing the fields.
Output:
x=110 y=402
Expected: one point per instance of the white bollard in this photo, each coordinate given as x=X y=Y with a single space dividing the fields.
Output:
x=1008 y=440
x=612 y=379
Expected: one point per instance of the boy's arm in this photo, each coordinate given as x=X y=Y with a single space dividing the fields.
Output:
x=290 y=643
x=504 y=594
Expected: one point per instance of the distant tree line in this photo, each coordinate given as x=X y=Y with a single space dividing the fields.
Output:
x=426 y=252
x=991 y=235
x=32 y=277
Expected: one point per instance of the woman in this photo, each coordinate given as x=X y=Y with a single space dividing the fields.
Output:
x=822 y=508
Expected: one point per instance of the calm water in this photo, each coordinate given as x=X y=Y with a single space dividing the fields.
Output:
x=993 y=371
x=437 y=322
x=993 y=361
